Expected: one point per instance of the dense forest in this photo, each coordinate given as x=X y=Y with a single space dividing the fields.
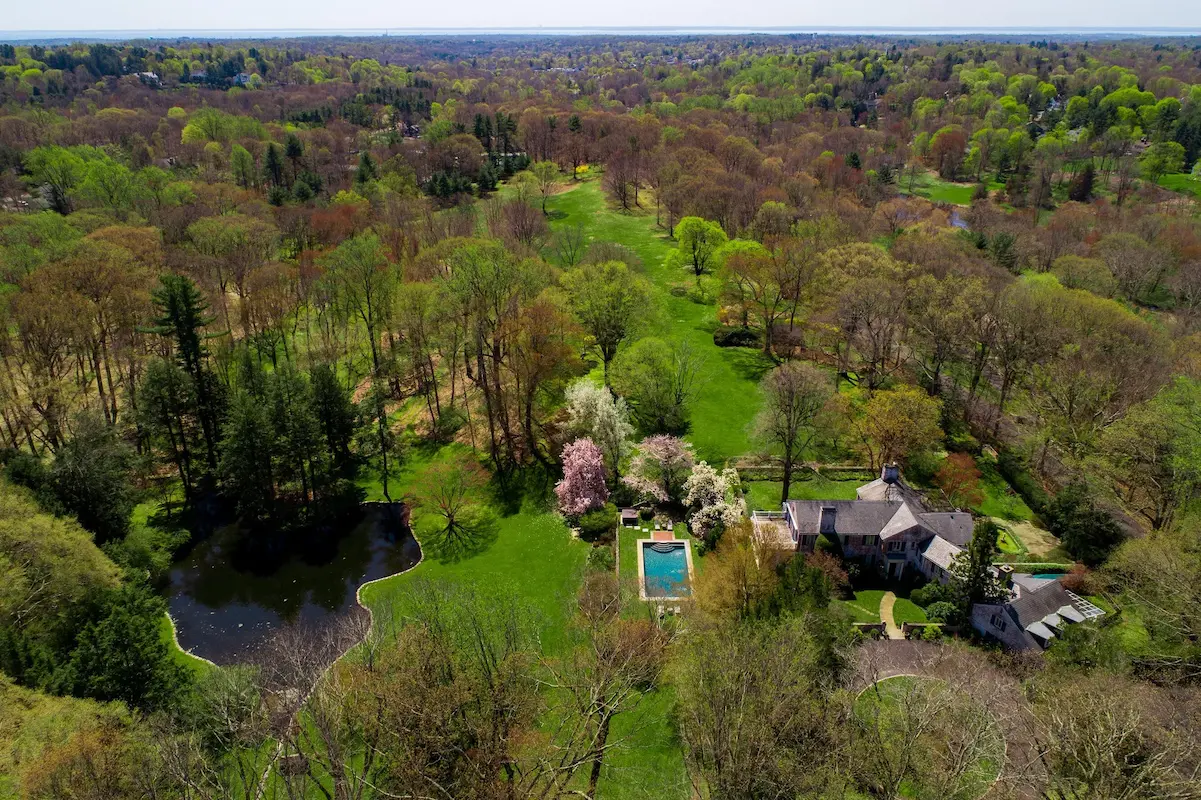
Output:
x=518 y=283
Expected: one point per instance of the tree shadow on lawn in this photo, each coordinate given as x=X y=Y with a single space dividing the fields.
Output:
x=528 y=486
x=870 y=580
x=171 y=516
x=467 y=538
x=751 y=364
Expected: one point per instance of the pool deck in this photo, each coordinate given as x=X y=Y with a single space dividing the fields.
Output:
x=662 y=536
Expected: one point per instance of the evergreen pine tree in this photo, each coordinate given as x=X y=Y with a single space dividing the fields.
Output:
x=273 y=166
x=1081 y=188
x=182 y=316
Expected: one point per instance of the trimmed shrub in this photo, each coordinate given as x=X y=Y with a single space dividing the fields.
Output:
x=1014 y=470
x=826 y=544
x=736 y=336
x=931 y=594
x=945 y=612
x=596 y=524
x=646 y=514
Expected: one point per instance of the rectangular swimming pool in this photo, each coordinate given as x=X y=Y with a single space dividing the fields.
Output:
x=665 y=569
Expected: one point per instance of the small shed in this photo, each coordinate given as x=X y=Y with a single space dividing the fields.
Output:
x=629 y=517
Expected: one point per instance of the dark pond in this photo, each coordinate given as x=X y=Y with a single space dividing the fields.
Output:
x=231 y=591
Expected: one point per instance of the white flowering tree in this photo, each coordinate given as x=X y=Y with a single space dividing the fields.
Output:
x=592 y=411
x=713 y=501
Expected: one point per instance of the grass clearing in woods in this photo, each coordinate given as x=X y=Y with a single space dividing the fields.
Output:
x=936 y=190
x=1182 y=182
x=727 y=394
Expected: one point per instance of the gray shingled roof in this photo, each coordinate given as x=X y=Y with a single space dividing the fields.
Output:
x=1030 y=583
x=882 y=491
x=954 y=526
x=1032 y=606
x=941 y=552
x=868 y=517
x=851 y=517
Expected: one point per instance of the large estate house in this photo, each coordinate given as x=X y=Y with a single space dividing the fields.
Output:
x=887 y=526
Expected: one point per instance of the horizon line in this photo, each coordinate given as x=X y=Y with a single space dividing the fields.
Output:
x=535 y=29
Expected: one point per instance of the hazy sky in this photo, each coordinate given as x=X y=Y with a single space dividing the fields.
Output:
x=80 y=15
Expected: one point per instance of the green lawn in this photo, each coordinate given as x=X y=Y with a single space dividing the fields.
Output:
x=864 y=606
x=197 y=666
x=1182 y=182
x=535 y=554
x=1009 y=544
x=1000 y=500
x=905 y=610
x=936 y=190
x=765 y=495
x=649 y=761
x=627 y=555
x=727 y=394
x=856 y=612
x=1131 y=630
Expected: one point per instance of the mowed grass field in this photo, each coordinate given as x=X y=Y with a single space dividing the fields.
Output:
x=1183 y=183
x=766 y=495
x=937 y=190
x=727 y=392
x=533 y=554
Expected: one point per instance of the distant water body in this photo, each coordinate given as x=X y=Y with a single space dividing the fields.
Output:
x=295 y=33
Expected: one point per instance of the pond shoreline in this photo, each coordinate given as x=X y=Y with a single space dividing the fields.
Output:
x=382 y=538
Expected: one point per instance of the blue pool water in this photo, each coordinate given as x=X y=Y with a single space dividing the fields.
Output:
x=665 y=569
x=1048 y=575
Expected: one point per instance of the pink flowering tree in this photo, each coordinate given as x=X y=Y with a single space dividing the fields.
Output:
x=660 y=468
x=583 y=486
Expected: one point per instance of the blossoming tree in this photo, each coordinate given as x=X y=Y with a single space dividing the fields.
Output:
x=583 y=486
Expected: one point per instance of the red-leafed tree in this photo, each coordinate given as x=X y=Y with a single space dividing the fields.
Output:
x=959 y=479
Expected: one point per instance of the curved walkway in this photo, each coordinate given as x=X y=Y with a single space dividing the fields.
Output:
x=890 y=624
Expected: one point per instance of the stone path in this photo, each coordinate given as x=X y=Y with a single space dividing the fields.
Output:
x=890 y=624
